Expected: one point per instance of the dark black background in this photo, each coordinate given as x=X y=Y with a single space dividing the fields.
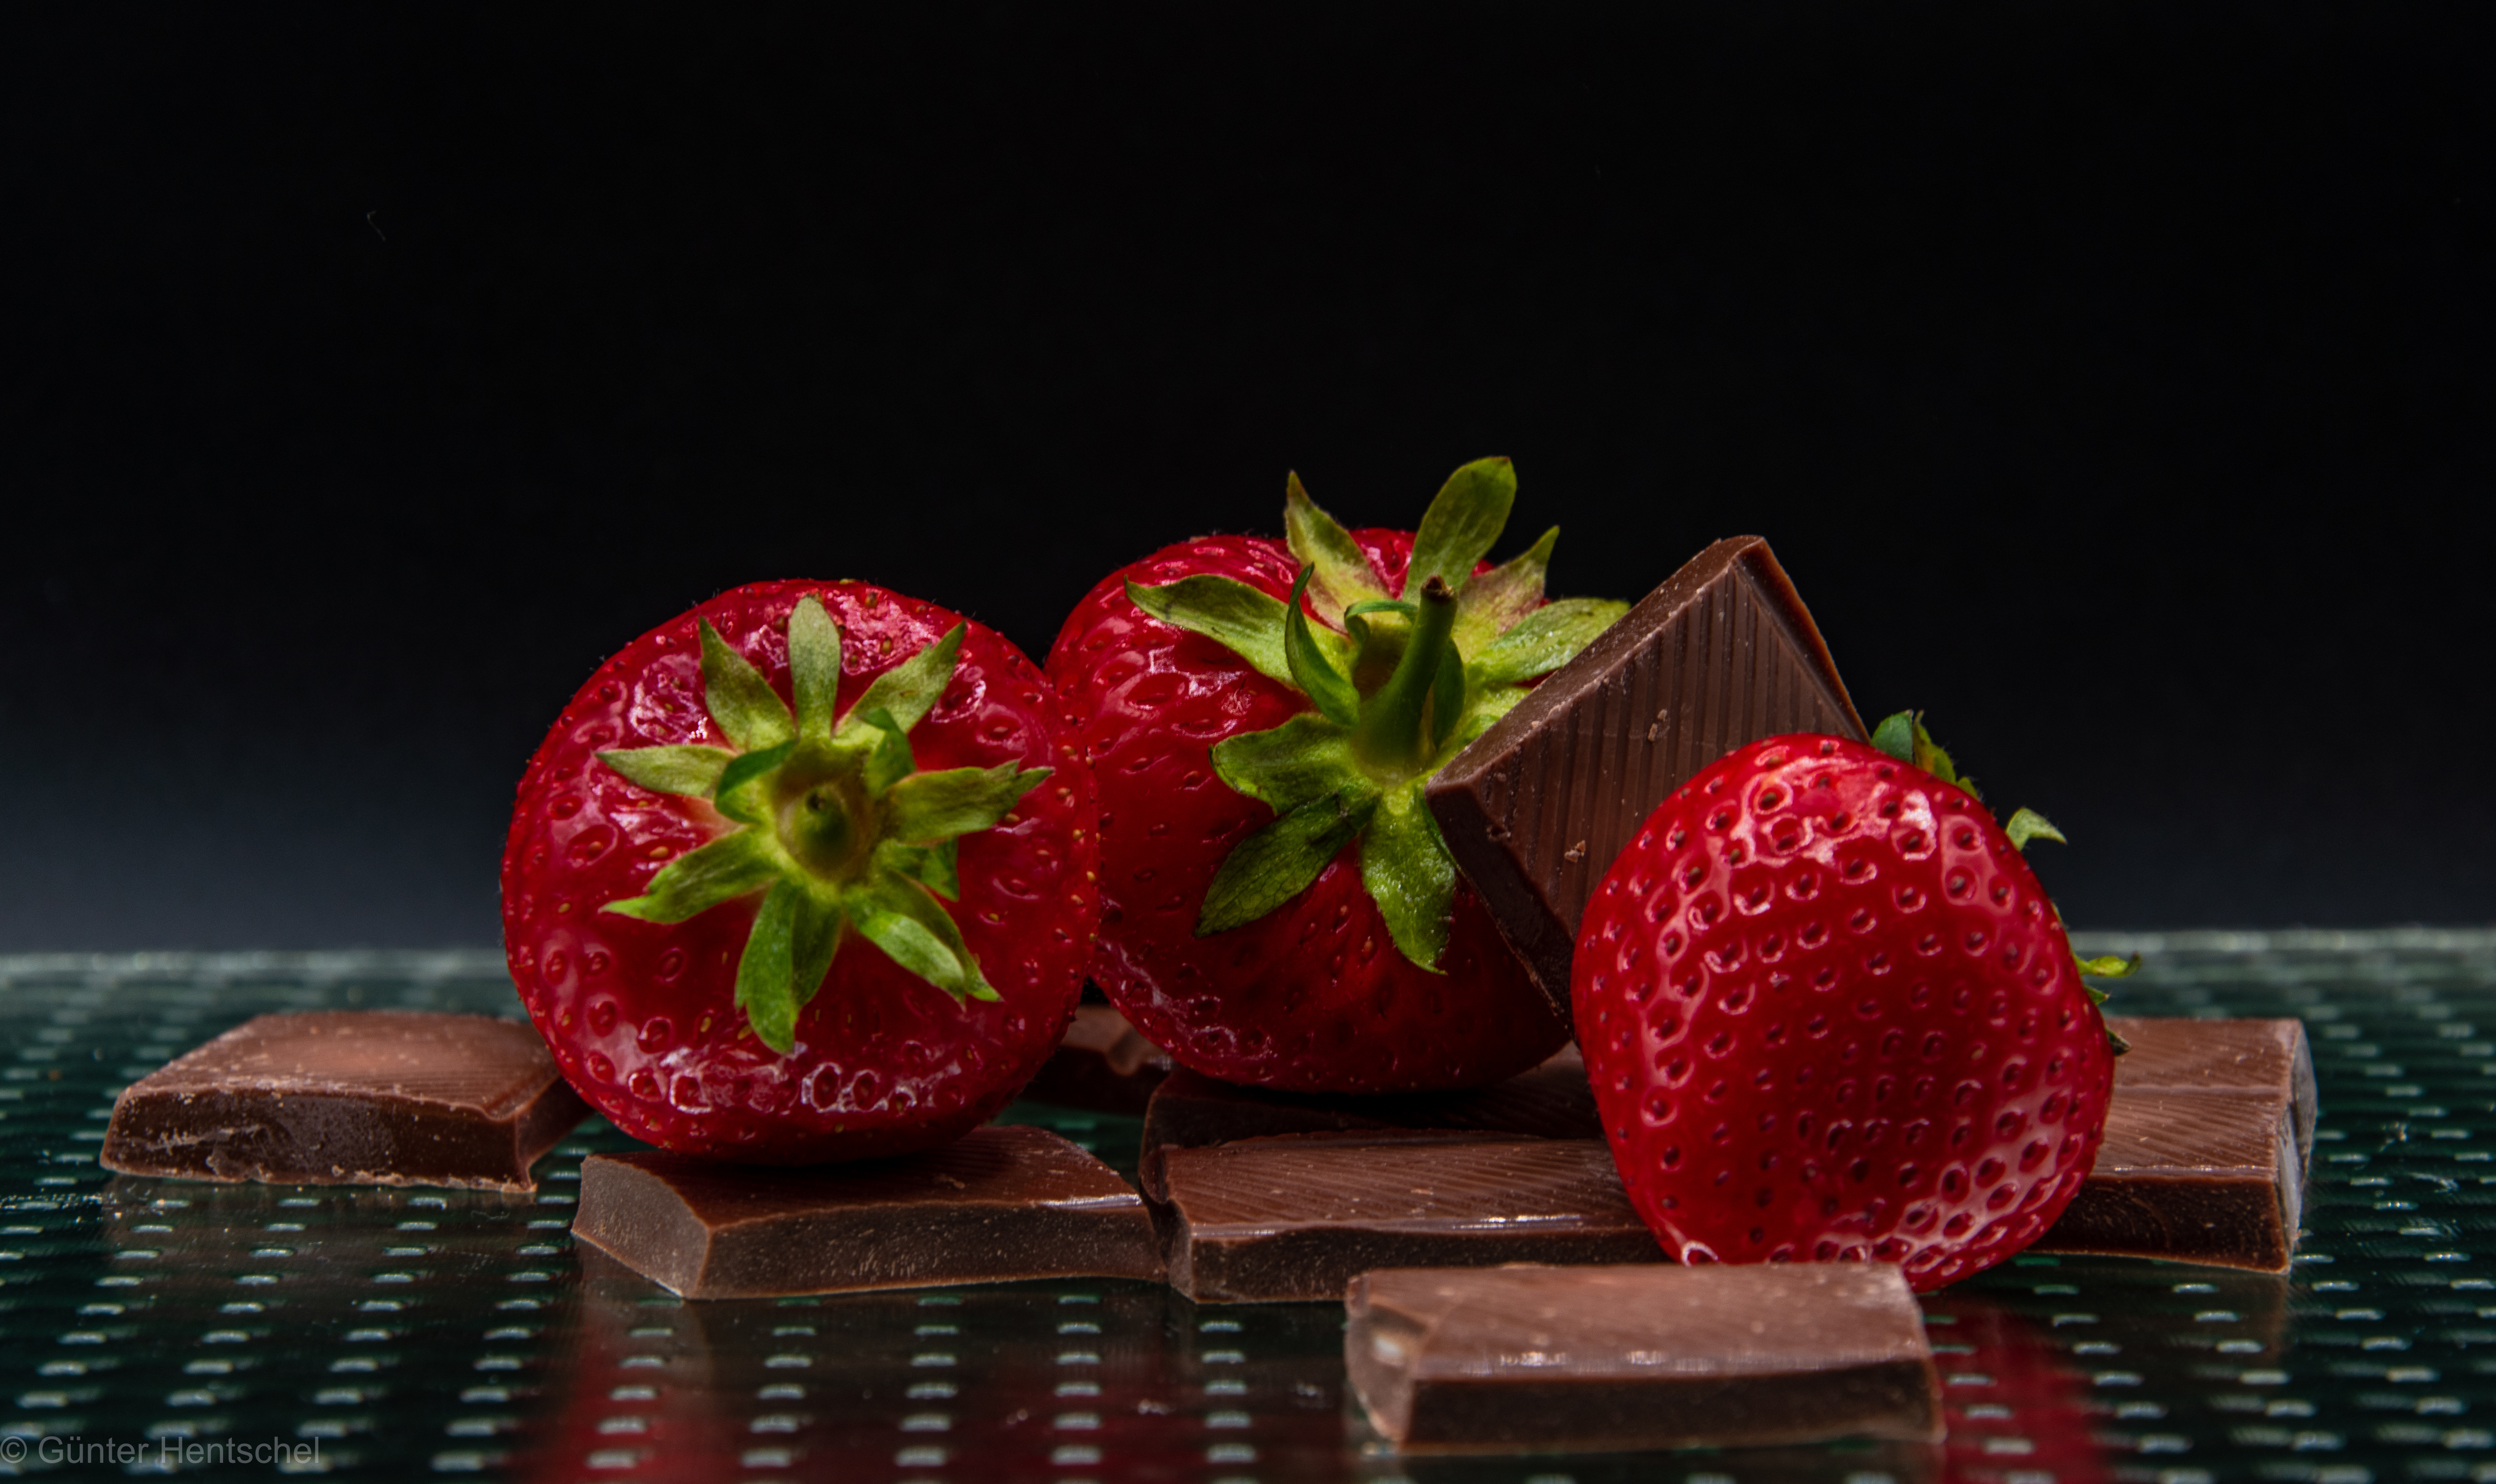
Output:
x=2113 y=380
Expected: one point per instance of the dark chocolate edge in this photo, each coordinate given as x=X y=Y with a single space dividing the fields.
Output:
x=600 y=1172
x=2087 y=1226
x=543 y=1122
x=128 y=1151
x=552 y=1104
x=1377 y=1386
x=706 y=1277
x=1457 y=795
x=1238 y=1262
x=2095 y=1224
x=1905 y=1376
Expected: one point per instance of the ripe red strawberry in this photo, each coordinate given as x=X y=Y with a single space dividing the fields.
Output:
x=1277 y=904
x=1829 y=1013
x=805 y=874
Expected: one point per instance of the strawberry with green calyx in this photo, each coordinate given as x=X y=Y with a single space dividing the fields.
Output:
x=842 y=832
x=1903 y=736
x=804 y=874
x=1261 y=716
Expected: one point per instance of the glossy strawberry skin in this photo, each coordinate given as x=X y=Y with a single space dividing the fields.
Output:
x=1830 y=1014
x=1313 y=998
x=642 y=1018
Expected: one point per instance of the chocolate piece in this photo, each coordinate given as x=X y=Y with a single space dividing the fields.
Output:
x=2175 y=1054
x=1549 y=1102
x=1000 y=1203
x=1296 y=1217
x=1611 y=1359
x=2209 y=1177
x=350 y=1097
x=1536 y=808
x=2208 y=1137
x=1102 y=1064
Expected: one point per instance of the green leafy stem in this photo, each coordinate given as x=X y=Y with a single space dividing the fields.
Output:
x=838 y=830
x=1397 y=684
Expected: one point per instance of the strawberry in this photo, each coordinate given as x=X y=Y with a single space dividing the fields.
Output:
x=1829 y=1013
x=1277 y=904
x=804 y=874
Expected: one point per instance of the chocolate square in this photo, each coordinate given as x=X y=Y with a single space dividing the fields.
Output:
x=350 y=1096
x=1600 y=1359
x=1537 y=807
x=998 y=1204
x=2178 y=1053
x=2209 y=1177
x=1296 y=1217
x=2208 y=1138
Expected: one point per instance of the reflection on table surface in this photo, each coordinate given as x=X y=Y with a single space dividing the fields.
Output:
x=418 y=1332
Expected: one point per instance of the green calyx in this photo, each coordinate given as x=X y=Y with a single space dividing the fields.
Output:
x=1397 y=684
x=1903 y=736
x=838 y=830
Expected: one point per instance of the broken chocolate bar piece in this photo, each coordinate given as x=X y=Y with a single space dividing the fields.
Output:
x=1000 y=1203
x=350 y=1096
x=1294 y=1217
x=1612 y=1359
x=2195 y=1176
x=2208 y=1138
x=1535 y=809
x=1102 y=1064
x=2176 y=1054
x=1549 y=1102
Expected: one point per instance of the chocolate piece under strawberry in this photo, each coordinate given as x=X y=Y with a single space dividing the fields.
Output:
x=805 y=874
x=1279 y=907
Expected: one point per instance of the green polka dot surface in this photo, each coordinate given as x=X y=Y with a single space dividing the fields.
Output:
x=160 y=1325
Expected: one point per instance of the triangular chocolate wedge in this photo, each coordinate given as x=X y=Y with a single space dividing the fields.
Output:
x=1536 y=808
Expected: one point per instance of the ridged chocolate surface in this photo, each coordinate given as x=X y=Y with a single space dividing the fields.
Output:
x=1639 y=1357
x=1549 y=1102
x=2193 y=1134
x=2190 y=1176
x=350 y=1096
x=1296 y=1217
x=1002 y=1202
x=1536 y=809
x=2176 y=1054
x=470 y=1061
x=1462 y=1184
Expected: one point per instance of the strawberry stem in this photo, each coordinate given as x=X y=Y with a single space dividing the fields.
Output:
x=840 y=830
x=1392 y=735
x=820 y=827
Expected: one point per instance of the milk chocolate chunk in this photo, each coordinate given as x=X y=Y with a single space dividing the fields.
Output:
x=1535 y=809
x=2176 y=1054
x=1549 y=1102
x=1000 y=1203
x=2208 y=1138
x=1611 y=1359
x=1296 y=1217
x=2209 y=1177
x=1102 y=1064
x=350 y=1097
